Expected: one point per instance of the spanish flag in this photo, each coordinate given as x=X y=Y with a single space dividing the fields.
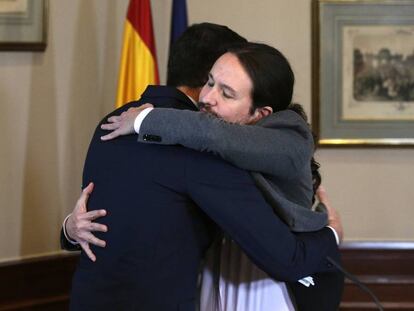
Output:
x=179 y=20
x=138 y=60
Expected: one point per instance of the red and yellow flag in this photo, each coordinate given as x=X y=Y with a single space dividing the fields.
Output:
x=138 y=60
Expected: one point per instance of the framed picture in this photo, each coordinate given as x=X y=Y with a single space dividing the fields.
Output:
x=363 y=72
x=23 y=25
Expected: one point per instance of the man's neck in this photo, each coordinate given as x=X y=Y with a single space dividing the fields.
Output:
x=191 y=92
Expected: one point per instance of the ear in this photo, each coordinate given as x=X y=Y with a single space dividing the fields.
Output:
x=261 y=112
x=265 y=111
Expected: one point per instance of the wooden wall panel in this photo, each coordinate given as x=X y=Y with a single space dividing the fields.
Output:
x=37 y=284
x=43 y=283
x=386 y=268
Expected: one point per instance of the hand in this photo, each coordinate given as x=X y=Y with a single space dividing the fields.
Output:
x=333 y=216
x=79 y=225
x=124 y=123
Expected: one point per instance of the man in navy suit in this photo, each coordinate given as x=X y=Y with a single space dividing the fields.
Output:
x=164 y=204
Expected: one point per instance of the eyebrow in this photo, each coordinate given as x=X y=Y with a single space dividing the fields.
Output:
x=222 y=85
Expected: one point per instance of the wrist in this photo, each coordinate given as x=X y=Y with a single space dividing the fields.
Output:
x=140 y=118
x=337 y=239
x=70 y=240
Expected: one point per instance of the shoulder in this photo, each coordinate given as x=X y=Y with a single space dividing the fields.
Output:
x=289 y=121
x=284 y=118
x=162 y=96
x=121 y=109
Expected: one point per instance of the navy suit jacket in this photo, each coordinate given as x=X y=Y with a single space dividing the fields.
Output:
x=164 y=205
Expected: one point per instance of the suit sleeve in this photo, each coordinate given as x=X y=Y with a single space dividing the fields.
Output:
x=66 y=245
x=228 y=196
x=281 y=146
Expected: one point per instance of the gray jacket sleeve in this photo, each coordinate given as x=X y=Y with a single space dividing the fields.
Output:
x=280 y=144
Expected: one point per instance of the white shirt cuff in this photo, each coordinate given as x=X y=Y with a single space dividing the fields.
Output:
x=335 y=234
x=64 y=231
x=140 y=118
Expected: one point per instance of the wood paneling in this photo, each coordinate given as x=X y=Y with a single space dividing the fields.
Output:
x=386 y=268
x=43 y=284
x=37 y=284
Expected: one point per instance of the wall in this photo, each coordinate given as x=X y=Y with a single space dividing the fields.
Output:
x=370 y=187
x=50 y=104
x=51 y=101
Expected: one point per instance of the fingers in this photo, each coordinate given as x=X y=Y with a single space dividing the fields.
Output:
x=89 y=253
x=86 y=192
x=88 y=237
x=89 y=188
x=93 y=226
x=334 y=219
x=80 y=207
x=147 y=105
x=95 y=241
x=83 y=233
x=92 y=240
x=79 y=226
x=92 y=215
x=122 y=124
x=82 y=220
x=321 y=193
x=115 y=122
x=114 y=119
x=110 y=126
x=111 y=135
x=323 y=197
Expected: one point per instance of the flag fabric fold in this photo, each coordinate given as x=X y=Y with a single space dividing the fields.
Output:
x=138 y=67
x=179 y=20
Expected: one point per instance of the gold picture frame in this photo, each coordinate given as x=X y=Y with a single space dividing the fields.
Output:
x=363 y=73
x=23 y=25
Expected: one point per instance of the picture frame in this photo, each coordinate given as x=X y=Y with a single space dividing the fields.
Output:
x=363 y=73
x=23 y=25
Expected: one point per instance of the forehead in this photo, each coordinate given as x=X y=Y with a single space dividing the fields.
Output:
x=228 y=70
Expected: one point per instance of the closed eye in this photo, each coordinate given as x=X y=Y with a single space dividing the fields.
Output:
x=226 y=95
x=210 y=81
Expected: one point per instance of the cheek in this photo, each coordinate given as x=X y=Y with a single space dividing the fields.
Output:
x=239 y=113
x=229 y=113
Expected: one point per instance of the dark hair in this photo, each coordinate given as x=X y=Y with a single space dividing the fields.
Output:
x=196 y=50
x=316 y=176
x=270 y=72
x=273 y=81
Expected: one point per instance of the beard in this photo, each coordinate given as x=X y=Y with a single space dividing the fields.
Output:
x=207 y=109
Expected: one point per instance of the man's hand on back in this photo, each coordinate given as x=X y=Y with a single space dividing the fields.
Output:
x=80 y=224
x=334 y=220
x=122 y=124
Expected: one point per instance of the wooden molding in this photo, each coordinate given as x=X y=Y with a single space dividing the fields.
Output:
x=37 y=284
x=387 y=268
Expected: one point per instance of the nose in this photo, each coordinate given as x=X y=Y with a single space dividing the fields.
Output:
x=209 y=97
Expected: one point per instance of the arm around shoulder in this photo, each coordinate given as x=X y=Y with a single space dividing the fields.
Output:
x=280 y=147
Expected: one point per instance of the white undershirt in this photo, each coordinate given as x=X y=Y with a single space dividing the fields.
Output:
x=243 y=286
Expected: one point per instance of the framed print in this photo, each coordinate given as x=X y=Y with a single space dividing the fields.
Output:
x=23 y=25
x=363 y=72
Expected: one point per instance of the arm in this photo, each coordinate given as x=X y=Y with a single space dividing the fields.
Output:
x=281 y=148
x=79 y=225
x=65 y=244
x=228 y=196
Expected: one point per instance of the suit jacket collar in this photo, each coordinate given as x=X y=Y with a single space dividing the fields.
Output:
x=178 y=98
